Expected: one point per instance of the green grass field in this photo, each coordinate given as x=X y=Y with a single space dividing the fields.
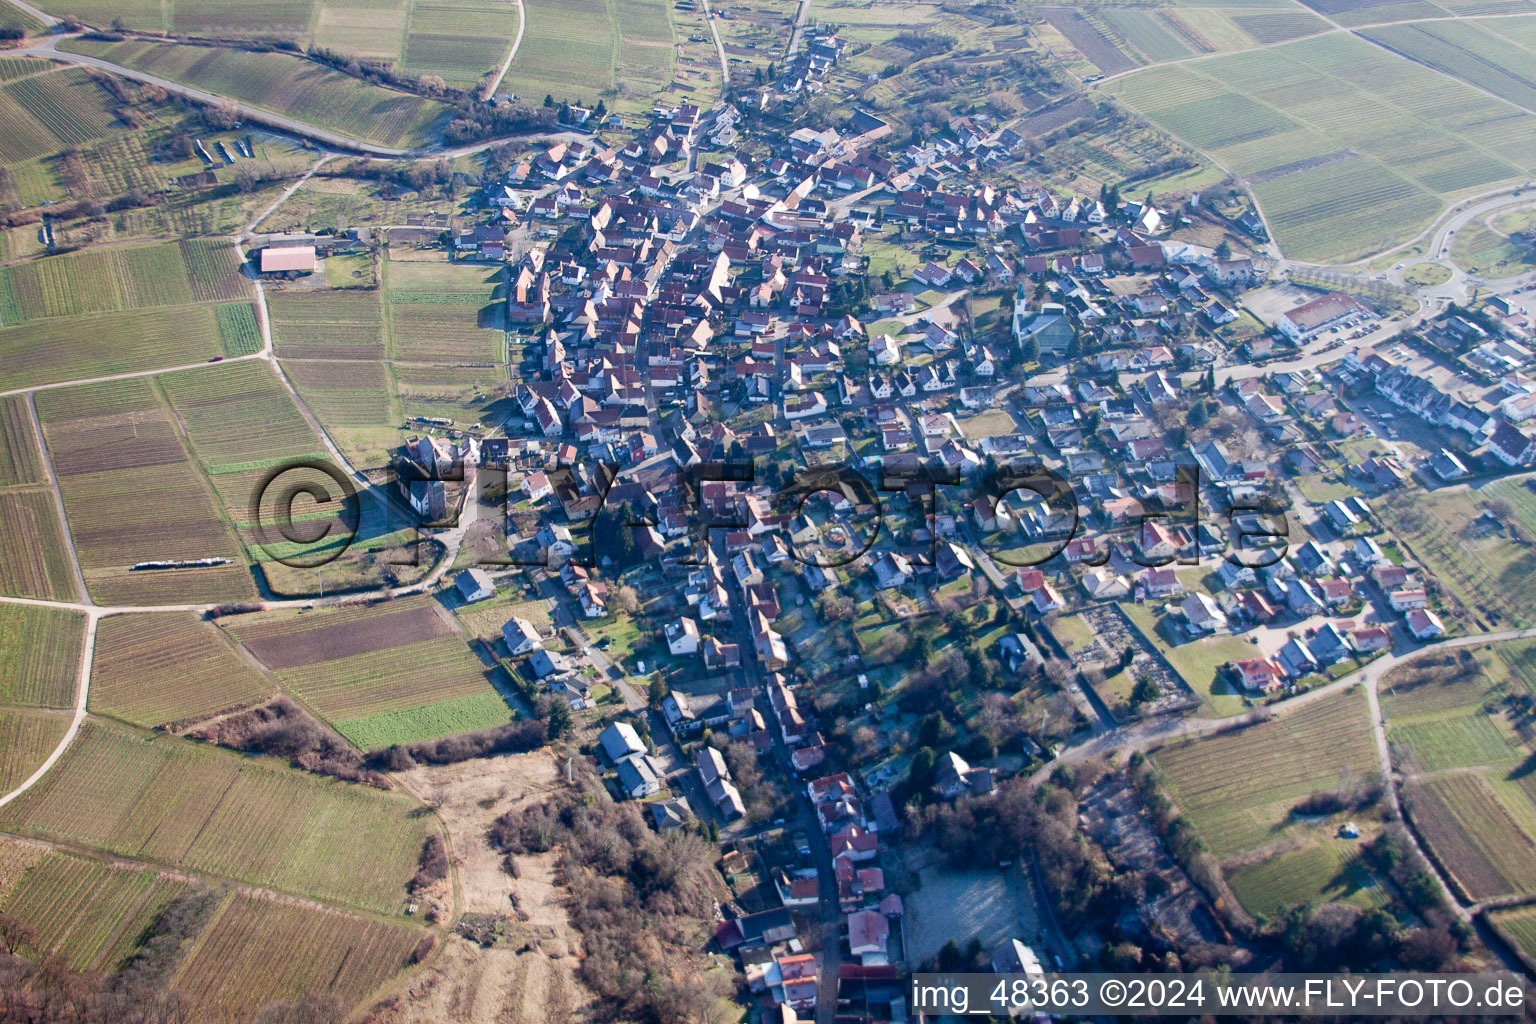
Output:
x=1326 y=870
x=1198 y=662
x=285 y=85
x=1348 y=148
x=1426 y=275
x=394 y=673
x=187 y=805
x=39 y=655
x=1237 y=789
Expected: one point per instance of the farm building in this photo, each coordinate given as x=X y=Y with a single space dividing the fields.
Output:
x=292 y=259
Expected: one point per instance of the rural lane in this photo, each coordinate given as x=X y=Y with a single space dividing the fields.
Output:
x=506 y=65
x=725 y=67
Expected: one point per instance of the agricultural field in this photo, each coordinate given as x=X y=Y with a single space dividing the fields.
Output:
x=34 y=561
x=163 y=668
x=1237 y=789
x=209 y=810
x=424 y=38
x=1348 y=148
x=132 y=494
x=40 y=652
x=583 y=50
x=88 y=913
x=567 y=51
x=397 y=672
x=461 y=41
x=1481 y=833
x=286 y=85
x=1103 y=51
x=1468 y=763
x=239 y=418
x=26 y=739
x=21 y=460
x=428 y=342
x=445 y=313
x=1112 y=39
x=43 y=114
x=1497 y=60
x=260 y=950
x=1520 y=926
x=76 y=347
x=121 y=278
x=121 y=309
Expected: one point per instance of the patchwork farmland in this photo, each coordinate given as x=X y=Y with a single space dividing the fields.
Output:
x=1469 y=793
x=34 y=561
x=121 y=309
x=393 y=673
x=1351 y=148
x=132 y=494
x=461 y=41
x=429 y=342
x=186 y=805
x=160 y=669
x=1472 y=830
